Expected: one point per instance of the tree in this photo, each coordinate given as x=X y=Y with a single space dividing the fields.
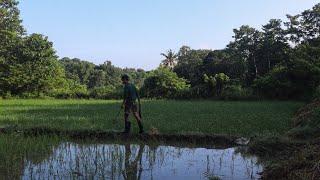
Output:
x=77 y=69
x=10 y=17
x=304 y=26
x=33 y=68
x=97 y=79
x=163 y=83
x=189 y=65
x=184 y=50
x=246 y=44
x=11 y=29
x=310 y=51
x=112 y=74
x=170 y=59
x=216 y=83
x=275 y=48
x=299 y=80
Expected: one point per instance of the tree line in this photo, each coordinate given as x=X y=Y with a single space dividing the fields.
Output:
x=281 y=60
x=29 y=66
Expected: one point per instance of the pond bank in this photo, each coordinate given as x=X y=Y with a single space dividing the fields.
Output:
x=196 y=139
x=295 y=155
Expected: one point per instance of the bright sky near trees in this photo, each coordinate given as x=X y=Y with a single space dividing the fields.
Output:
x=133 y=33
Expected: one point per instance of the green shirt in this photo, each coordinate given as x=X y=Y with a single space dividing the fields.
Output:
x=130 y=93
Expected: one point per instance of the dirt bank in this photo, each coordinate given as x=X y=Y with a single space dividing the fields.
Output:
x=296 y=155
x=212 y=141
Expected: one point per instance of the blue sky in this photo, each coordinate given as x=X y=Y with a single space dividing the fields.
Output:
x=133 y=33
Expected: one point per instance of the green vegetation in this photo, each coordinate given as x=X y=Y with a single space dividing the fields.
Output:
x=13 y=157
x=280 y=61
x=307 y=122
x=173 y=117
x=163 y=83
x=294 y=155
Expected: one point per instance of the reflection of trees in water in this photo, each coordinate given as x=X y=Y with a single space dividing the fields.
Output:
x=93 y=161
x=16 y=151
x=114 y=161
x=233 y=159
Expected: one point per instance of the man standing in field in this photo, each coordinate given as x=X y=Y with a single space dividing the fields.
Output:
x=129 y=104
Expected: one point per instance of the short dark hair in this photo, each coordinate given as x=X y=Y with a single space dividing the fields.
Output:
x=125 y=77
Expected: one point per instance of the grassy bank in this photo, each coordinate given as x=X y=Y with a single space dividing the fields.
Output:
x=173 y=117
x=296 y=154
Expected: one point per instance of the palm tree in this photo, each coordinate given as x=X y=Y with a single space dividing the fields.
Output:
x=170 y=59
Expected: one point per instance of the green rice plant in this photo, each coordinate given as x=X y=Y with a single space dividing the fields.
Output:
x=243 y=118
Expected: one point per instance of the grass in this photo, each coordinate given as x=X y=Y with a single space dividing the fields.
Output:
x=15 y=149
x=294 y=155
x=173 y=117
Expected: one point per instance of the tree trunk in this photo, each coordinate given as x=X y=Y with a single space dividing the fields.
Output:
x=255 y=66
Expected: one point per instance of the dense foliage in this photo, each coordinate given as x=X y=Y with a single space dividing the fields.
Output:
x=280 y=60
x=163 y=83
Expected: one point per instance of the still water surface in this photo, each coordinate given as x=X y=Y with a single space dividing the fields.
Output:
x=71 y=160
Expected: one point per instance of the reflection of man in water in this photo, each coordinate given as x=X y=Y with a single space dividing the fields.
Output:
x=131 y=171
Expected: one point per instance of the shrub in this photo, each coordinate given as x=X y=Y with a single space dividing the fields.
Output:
x=216 y=83
x=298 y=80
x=182 y=94
x=163 y=83
x=233 y=92
x=237 y=92
x=7 y=95
x=106 y=92
x=72 y=90
x=199 y=91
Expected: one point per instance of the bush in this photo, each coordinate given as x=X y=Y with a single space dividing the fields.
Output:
x=200 y=91
x=73 y=90
x=7 y=95
x=297 y=81
x=237 y=92
x=182 y=94
x=163 y=83
x=216 y=83
x=29 y=95
x=106 y=92
x=274 y=85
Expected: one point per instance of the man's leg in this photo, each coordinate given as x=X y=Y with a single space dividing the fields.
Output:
x=127 y=124
x=136 y=115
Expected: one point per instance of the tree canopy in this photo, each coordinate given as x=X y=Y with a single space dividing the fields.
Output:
x=280 y=60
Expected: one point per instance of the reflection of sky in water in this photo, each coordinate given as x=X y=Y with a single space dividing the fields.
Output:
x=112 y=161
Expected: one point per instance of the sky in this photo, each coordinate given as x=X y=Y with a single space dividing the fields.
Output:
x=133 y=33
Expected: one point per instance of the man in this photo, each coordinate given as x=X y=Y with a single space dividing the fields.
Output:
x=132 y=171
x=129 y=104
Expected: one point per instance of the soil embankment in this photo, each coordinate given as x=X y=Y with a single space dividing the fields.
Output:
x=204 y=140
x=297 y=154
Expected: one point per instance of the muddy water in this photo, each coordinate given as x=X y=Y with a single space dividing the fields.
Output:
x=133 y=161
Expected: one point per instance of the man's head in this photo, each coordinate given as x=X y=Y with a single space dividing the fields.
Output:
x=125 y=79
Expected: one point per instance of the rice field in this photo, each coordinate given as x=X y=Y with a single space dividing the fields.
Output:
x=167 y=116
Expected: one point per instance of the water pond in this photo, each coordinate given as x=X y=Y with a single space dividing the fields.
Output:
x=74 y=160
